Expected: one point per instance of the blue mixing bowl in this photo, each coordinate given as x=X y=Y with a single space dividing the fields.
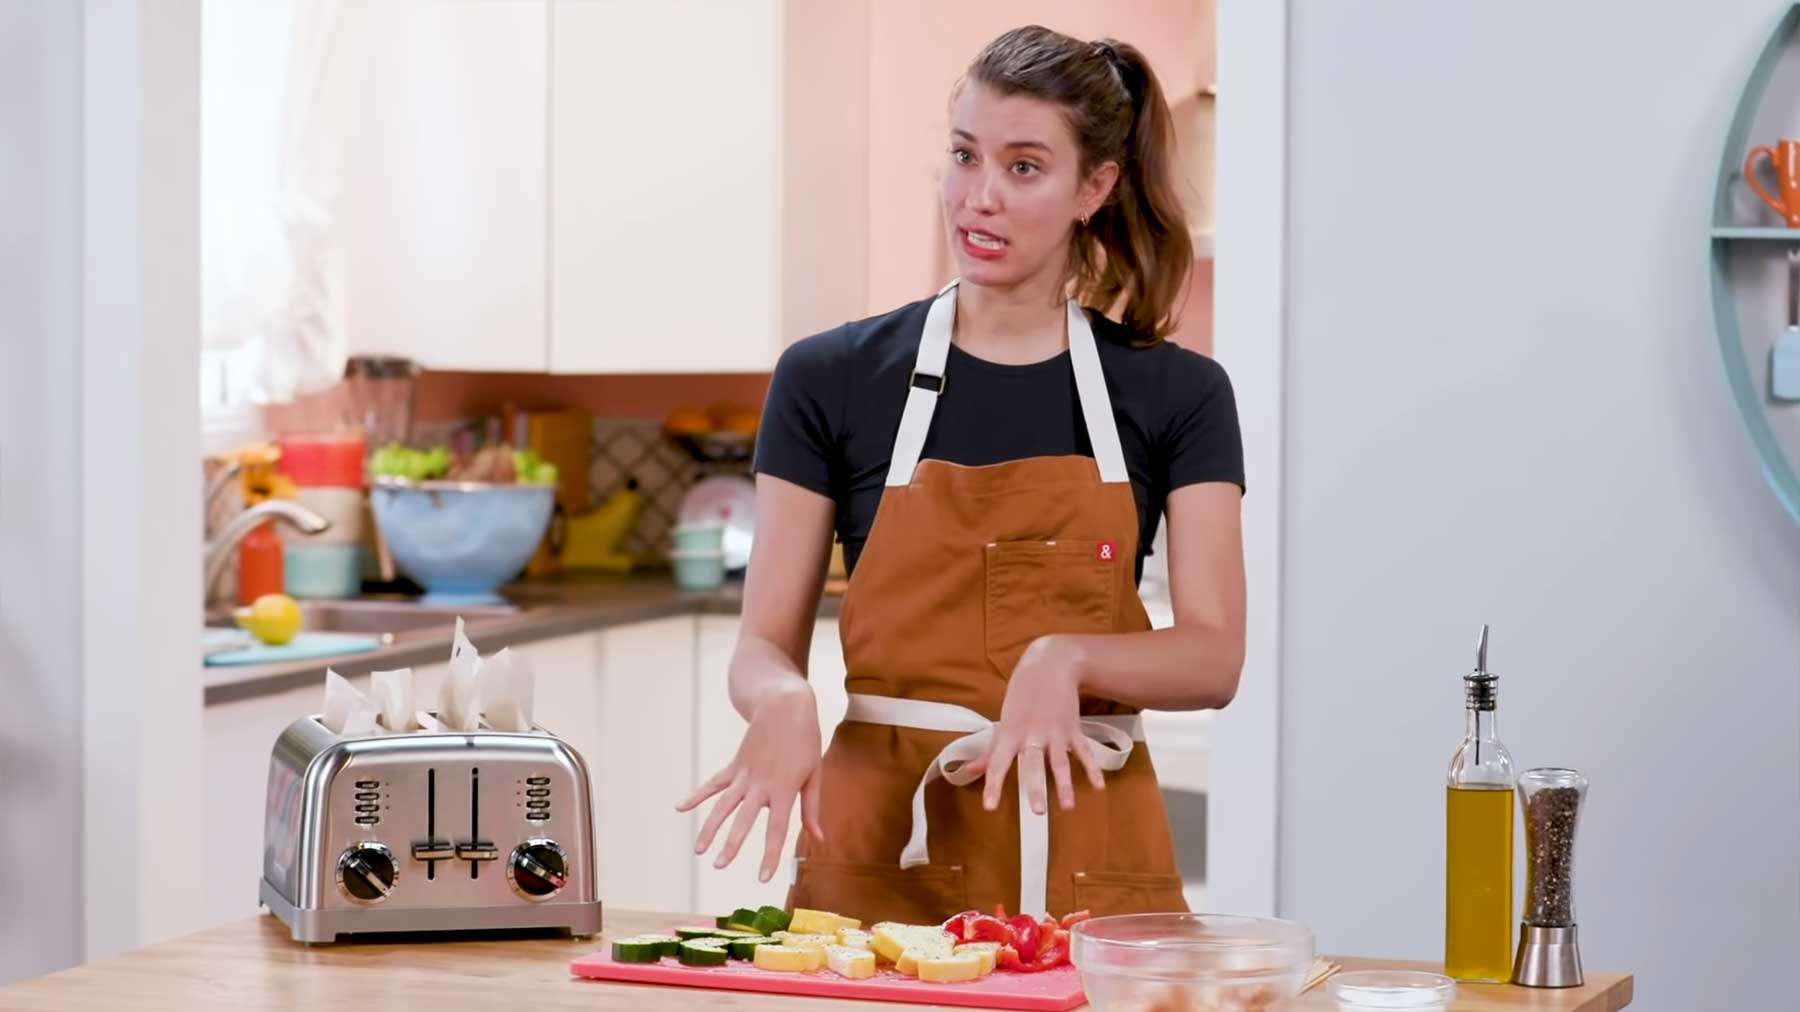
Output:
x=462 y=540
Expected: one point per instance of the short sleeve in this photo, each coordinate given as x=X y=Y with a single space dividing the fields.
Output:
x=1201 y=438
x=798 y=437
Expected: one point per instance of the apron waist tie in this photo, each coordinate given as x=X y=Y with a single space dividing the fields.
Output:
x=1114 y=736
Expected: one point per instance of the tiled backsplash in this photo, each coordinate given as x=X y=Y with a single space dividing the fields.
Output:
x=625 y=449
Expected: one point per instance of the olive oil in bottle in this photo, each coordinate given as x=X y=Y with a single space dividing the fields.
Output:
x=1478 y=855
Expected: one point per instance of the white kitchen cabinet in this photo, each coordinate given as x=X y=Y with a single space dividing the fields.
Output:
x=707 y=181
x=720 y=729
x=446 y=186
x=238 y=739
x=642 y=764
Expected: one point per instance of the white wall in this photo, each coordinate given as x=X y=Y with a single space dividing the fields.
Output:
x=1505 y=405
x=99 y=479
x=143 y=856
x=1250 y=208
x=40 y=489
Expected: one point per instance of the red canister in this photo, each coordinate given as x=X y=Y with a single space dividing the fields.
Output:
x=323 y=461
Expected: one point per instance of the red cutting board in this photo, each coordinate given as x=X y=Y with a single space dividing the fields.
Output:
x=1050 y=991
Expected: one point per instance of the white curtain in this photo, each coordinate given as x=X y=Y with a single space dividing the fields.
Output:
x=280 y=85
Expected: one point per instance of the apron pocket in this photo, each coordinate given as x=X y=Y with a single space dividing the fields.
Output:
x=1104 y=893
x=930 y=894
x=1036 y=588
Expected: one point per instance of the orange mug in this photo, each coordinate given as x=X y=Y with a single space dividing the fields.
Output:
x=1785 y=156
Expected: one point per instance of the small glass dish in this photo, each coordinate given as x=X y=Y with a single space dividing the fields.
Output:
x=1368 y=990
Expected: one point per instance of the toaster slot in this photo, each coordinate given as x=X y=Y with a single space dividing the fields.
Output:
x=476 y=850
x=431 y=850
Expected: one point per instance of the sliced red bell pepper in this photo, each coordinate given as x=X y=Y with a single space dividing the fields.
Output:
x=1027 y=945
x=959 y=924
x=1054 y=955
x=990 y=929
x=1027 y=935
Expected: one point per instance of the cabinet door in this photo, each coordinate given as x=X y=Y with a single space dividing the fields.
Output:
x=566 y=694
x=665 y=192
x=238 y=739
x=642 y=764
x=720 y=729
x=447 y=232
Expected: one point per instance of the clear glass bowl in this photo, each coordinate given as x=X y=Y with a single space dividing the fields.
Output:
x=1367 y=990
x=1178 y=962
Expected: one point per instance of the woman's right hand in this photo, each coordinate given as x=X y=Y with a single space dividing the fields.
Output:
x=777 y=761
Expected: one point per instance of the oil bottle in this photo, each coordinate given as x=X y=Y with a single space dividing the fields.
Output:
x=1478 y=857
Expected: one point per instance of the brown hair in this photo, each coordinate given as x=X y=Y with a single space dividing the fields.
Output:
x=1136 y=246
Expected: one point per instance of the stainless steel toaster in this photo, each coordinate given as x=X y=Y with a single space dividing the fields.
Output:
x=427 y=831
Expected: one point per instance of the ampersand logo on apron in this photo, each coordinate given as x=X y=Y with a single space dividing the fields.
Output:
x=1107 y=551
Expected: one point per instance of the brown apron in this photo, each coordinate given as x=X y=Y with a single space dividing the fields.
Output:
x=964 y=568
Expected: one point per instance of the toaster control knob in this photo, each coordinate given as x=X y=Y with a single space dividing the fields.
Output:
x=366 y=872
x=538 y=868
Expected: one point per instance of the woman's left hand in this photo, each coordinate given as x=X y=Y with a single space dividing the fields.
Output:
x=1040 y=720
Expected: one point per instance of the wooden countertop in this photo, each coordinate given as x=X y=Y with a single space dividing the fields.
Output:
x=1603 y=992
x=253 y=964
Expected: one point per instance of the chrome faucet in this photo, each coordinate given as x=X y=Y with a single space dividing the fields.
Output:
x=218 y=547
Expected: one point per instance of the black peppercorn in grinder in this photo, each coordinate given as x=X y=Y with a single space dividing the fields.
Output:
x=1548 y=955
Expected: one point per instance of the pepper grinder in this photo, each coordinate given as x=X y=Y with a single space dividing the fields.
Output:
x=1548 y=954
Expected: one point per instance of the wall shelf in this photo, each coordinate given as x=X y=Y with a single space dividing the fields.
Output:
x=1747 y=374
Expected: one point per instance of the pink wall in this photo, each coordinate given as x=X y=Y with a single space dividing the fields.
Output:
x=918 y=50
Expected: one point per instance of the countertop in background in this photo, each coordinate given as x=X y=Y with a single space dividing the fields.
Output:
x=549 y=608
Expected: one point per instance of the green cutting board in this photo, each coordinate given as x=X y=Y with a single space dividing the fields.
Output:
x=305 y=646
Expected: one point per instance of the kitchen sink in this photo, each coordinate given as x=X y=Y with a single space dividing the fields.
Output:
x=392 y=620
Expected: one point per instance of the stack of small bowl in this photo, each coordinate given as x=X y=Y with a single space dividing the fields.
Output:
x=698 y=555
x=327 y=472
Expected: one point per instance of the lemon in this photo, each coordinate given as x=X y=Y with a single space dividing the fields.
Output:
x=273 y=618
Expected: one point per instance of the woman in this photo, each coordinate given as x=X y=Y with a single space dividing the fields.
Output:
x=995 y=460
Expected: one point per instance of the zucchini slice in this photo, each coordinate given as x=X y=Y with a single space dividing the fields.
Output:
x=703 y=952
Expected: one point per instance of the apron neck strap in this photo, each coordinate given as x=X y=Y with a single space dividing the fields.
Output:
x=927 y=382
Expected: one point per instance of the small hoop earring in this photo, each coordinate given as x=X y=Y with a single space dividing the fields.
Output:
x=1084 y=220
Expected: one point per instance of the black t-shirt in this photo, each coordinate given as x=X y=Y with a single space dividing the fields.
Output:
x=835 y=401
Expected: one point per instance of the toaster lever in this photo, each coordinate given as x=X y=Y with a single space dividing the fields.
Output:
x=478 y=850
x=433 y=850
